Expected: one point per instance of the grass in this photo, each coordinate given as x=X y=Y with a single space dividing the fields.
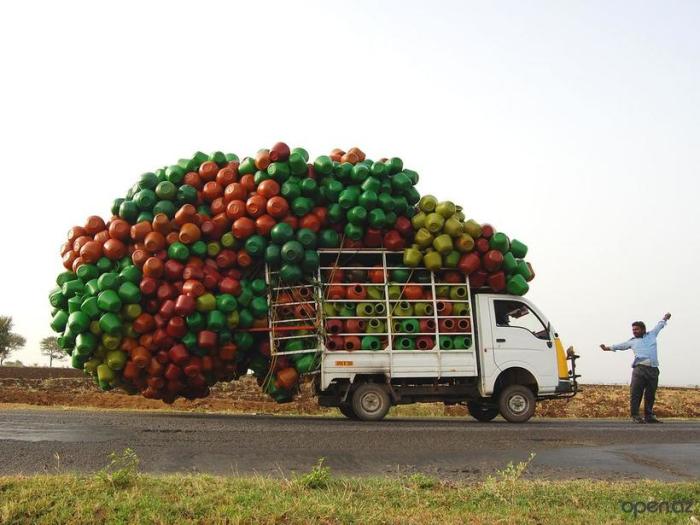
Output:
x=120 y=494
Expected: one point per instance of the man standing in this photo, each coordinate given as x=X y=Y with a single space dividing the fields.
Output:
x=645 y=368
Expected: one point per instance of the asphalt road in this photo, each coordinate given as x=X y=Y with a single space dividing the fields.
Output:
x=34 y=441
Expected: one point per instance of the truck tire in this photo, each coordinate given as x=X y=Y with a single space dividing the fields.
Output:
x=370 y=402
x=347 y=411
x=481 y=412
x=516 y=403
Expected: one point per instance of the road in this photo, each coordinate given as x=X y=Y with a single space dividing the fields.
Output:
x=52 y=440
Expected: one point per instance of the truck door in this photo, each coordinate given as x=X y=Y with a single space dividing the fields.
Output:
x=521 y=338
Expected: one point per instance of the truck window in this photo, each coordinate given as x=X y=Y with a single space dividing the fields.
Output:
x=514 y=314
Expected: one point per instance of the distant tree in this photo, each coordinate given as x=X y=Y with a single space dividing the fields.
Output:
x=9 y=341
x=14 y=363
x=49 y=347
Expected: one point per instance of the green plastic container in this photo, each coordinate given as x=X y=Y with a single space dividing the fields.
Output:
x=281 y=233
x=64 y=277
x=255 y=245
x=178 y=251
x=446 y=342
x=499 y=241
x=509 y=265
x=354 y=231
x=404 y=343
x=410 y=326
x=109 y=301
x=116 y=359
x=292 y=252
x=305 y=363
x=402 y=309
x=399 y=275
x=432 y=261
x=57 y=299
x=111 y=342
x=423 y=309
x=427 y=204
x=87 y=272
x=461 y=342
x=328 y=239
x=434 y=223
x=216 y=321
x=518 y=249
x=376 y=218
x=259 y=307
x=78 y=322
x=460 y=309
x=273 y=255
x=226 y=303
x=517 y=285
x=412 y=257
x=524 y=270
x=85 y=343
x=90 y=308
x=365 y=309
x=451 y=260
x=129 y=293
x=108 y=281
x=195 y=321
x=371 y=343
x=306 y=237
x=59 y=321
x=71 y=288
x=245 y=318
x=206 y=302
x=110 y=324
x=458 y=293
x=443 y=244
x=375 y=292
x=323 y=165
x=310 y=262
x=349 y=197
x=290 y=273
x=74 y=304
x=301 y=206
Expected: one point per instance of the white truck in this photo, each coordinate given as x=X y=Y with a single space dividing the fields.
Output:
x=388 y=335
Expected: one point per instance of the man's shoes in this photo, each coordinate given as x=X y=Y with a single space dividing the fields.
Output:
x=651 y=419
x=637 y=419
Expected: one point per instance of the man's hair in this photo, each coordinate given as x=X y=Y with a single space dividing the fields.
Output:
x=641 y=325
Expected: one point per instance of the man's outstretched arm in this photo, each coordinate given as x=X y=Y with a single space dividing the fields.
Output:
x=660 y=325
x=620 y=346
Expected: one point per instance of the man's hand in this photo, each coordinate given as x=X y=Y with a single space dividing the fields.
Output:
x=606 y=348
x=667 y=317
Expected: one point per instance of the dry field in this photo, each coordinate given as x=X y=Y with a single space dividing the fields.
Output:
x=44 y=387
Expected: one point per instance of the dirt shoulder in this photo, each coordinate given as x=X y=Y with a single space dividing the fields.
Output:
x=63 y=387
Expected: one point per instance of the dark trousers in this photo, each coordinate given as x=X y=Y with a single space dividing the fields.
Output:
x=645 y=379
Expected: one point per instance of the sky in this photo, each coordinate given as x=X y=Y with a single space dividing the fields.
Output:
x=573 y=126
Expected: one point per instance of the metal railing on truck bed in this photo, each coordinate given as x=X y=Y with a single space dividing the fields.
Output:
x=367 y=313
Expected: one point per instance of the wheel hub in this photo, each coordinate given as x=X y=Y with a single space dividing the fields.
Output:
x=371 y=402
x=517 y=404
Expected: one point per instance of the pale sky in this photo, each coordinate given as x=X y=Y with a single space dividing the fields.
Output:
x=573 y=126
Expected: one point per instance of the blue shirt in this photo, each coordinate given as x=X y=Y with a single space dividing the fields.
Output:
x=644 y=347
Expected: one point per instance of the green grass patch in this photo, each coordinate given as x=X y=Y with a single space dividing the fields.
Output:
x=120 y=494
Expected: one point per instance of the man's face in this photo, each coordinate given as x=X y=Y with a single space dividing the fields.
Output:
x=637 y=331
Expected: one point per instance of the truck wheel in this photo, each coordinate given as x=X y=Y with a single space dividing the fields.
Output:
x=370 y=402
x=516 y=403
x=347 y=411
x=481 y=412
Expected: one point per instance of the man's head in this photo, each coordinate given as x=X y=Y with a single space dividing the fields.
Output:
x=639 y=329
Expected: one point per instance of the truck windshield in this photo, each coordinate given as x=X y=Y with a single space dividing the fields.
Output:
x=514 y=314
